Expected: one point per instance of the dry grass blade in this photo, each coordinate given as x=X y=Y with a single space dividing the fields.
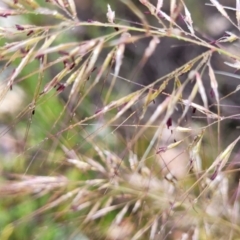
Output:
x=201 y=90
x=55 y=203
x=35 y=98
x=48 y=42
x=173 y=12
x=126 y=101
x=234 y=65
x=33 y=184
x=159 y=5
x=58 y=48
x=80 y=164
x=170 y=146
x=228 y=37
x=110 y=15
x=202 y=109
x=221 y=9
x=92 y=211
x=72 y=7
x=169 y=105
x=96 y=165
x=183 y=129
x=194 y=153
x=158 y=13
x=105 y=65
x=154 y=228
x=82 y=206
x=78 y=79
x=238 y=12
x=16 y=46
x=26 y=60
x=220 y=162
x=188 y=19
x=189 y=100
x=173 y=145
x=132 y=161
x=174 y=99
x=147 y=54
x=138 y=13
x=151 y=96
x=118 y=58
x=137 y=206
x=128 y=104
x=109 y=202
x=214 y=85
x=21 y=4
x=104 y=211
x=143 y=230
x=49 y=86
x=151 y=48
x=119 y=217
x=81 y=196
x=65 y=6
x=94 y=56
x=160 y=109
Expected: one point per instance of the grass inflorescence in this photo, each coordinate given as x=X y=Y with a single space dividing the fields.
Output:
x=91 y=152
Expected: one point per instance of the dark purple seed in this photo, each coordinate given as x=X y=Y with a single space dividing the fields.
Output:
x=30 y=32
x=71 y=66
x=24 y=51
x=40 y=57
x=94 y=69
x=98 y=111
x=66 y=62
x=19 y=27
x=226 y=35
x=213 y=42
x=5 y=15
x=214 y=175
x=212 y=95
x=63 y=53
x=181 y=17
x=122 y=106
x=161 y=149
x=169 y=123
x=60 y=87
